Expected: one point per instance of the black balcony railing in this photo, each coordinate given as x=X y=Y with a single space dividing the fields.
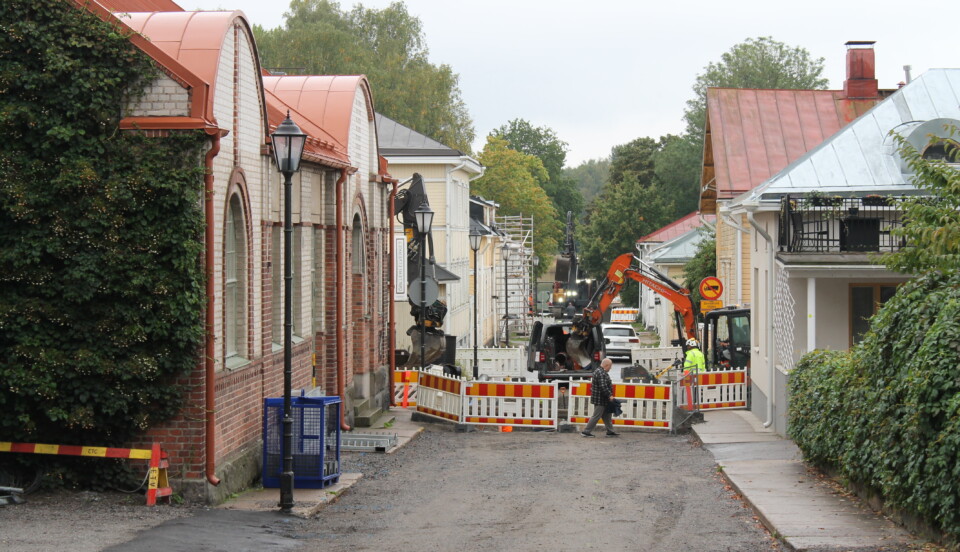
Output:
x=839 y=225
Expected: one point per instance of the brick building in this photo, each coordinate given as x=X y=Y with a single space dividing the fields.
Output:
x=210 y=79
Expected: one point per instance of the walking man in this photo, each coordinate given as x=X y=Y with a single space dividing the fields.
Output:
x=600 y=396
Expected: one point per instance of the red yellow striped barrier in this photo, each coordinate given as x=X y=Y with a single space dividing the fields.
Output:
x=644 y=405
x=158 y=484
x=510 y=390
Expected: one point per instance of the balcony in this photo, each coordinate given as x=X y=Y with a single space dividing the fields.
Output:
x=839 y=225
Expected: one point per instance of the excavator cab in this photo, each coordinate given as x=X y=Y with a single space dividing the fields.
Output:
x=726 y=338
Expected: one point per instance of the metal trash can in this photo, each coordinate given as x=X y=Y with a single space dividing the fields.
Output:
x=316 y=441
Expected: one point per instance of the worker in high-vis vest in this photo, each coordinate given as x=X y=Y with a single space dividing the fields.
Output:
x=694 y=362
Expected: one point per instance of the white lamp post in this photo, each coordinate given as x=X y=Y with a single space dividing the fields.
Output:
x=475 y=246
x=424 y=217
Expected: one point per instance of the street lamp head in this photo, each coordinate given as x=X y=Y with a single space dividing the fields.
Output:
x=288 y=141
x=507 y=250
x=424 y=216
x=475 y=238
x=536 y=260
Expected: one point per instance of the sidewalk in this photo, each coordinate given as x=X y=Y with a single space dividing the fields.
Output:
x=803 y=511
x=307 y=502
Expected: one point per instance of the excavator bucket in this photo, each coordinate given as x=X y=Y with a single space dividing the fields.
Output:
x=434 y=346
x=580 y=349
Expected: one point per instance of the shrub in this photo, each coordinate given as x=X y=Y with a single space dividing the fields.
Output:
x=887 y=414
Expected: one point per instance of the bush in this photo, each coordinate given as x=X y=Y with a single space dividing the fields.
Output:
x=887 y=414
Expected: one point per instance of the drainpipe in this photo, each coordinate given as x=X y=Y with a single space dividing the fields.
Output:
x=210 y=442
x=341 y=339
x=773 y=350
x=393 y=311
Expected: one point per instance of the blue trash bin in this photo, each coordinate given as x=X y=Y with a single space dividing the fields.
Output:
x=316 y=441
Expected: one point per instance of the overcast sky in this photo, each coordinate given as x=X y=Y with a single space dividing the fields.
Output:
x=603 y=72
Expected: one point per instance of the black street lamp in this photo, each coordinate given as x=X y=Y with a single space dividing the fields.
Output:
x=475 y=246
x=506 y=298
x=424 y=216
x=288 y=141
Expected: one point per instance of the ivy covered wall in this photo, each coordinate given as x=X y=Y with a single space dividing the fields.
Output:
x=101 y=287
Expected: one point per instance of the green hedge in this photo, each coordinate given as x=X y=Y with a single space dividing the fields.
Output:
x=101 y=288
x=887 y=413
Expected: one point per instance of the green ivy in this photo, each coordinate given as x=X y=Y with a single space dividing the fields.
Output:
x=101 y=290
x=887 y=413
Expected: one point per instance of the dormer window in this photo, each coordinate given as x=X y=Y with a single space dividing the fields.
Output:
x=941 y=151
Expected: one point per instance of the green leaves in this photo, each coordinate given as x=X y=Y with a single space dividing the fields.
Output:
x=887 y=413
x=100 y=295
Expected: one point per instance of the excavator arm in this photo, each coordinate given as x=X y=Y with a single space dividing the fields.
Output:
x=622 y=268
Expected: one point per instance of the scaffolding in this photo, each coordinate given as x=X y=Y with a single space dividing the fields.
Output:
x=514 y=276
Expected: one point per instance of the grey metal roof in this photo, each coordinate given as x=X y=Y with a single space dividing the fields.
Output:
x=397 y=139
x=481 y=228
x=680 y=249
x=862 y=157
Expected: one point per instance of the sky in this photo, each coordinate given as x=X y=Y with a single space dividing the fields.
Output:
x=601 y=73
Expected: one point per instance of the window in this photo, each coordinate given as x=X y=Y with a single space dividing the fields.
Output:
x=358 y=259
x=234 y=301
x=865 y=301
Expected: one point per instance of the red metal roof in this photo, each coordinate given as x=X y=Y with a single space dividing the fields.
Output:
x=140 y=5
x=327 y=101
x=752 y=134
x=676 y=228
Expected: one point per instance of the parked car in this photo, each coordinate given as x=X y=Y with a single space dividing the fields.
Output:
x=547 y=356
x=620 y=339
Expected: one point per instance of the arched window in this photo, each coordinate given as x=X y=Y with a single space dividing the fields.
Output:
x=359 y=261
x=234 y=272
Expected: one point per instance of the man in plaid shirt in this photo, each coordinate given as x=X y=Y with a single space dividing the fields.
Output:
x=601 y=394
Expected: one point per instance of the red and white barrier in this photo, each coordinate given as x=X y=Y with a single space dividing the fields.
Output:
x=643 y=404
x=510 y=404
x=723 y=390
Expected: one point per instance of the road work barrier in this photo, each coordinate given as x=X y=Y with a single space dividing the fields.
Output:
x=441 y=396
x=510 y=404
x=158 y=485
x=405 y=385
x=655 y=359
x=643 y=405
x=720 y=390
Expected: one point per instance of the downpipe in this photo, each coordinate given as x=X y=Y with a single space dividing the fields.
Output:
x=341 y=339
x=773 y=349
x=393 y=311
x=210 y=437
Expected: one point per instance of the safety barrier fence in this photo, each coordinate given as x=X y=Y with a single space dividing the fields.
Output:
x=158 y=485
x=655 y=359
x=720 y=390
x=643 y=405
x=494 y=361
x=512 y=404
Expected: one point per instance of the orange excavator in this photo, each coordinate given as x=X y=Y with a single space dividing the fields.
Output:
x=623 y=267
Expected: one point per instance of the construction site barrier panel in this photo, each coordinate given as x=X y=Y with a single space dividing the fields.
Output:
x=158 y=486
x=510 y=404
x=643 y=404
x=440 y=396
x=655 y=359
x=405 y=384
x=494 y=361
x=719 y=390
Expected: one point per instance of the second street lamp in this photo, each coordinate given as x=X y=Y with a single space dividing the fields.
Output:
x=475 y=246
x=506 y=298
x=288 y=141
x=424 y=216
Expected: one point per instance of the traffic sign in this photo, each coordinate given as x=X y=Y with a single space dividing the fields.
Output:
x=711 y=288
x=707 y=306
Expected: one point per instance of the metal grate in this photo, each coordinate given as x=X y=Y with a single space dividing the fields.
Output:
x=368 y=442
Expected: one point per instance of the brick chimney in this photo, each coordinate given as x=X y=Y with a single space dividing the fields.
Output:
x=861 y=80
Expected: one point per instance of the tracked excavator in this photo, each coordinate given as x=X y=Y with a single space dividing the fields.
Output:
x=726 y=339
x=568 y=286
x=405 y=204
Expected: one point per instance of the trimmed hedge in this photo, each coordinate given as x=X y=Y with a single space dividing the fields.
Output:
x=887 y=413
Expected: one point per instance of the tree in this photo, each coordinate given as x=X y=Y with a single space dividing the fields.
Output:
x=755 y=63
x=589 y=177
x=677 y=167
x=623 y=212
x=702 y=265
x=388 y=47
x=512 y=179
x=931 y=224
x=543 y=143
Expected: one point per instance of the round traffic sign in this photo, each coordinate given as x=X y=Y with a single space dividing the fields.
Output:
x=711 y=288
x=431 y=288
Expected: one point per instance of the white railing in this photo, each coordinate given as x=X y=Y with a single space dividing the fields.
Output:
x=494 y=362
x=655 y=359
